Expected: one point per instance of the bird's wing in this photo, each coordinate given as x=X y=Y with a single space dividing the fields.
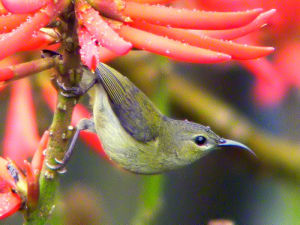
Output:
x=136 y=113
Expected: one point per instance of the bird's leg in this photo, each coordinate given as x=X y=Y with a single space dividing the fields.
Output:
x=70 y=92
x=84 y=124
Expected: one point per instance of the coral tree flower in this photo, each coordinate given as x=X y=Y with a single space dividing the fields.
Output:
x=168 y=31
x=273 y=77
x=107 y=29
x=17 y=188
x=110 y=28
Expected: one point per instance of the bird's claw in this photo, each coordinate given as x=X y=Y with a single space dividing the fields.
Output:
x=59 y=167
x=69 y=92
x=58 y=161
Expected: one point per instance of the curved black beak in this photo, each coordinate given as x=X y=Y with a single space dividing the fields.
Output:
x=227 y=143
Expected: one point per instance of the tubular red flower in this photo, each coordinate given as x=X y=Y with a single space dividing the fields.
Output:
x=230 y=34
x=21 y=124
x=105 y=54
x=97 y=27
x=110 y=8
x=237 y=51
x=270 y=87
x=10 y=202
x=10 y=22
x=39 y=41
x=173 y=49
x=184 y=18
x=89 y=52
x=38 y=157
x=32 y=186
x=25 y=69
x=287 y=62
x=24 y=6
x=6 y=74
x=15 y=39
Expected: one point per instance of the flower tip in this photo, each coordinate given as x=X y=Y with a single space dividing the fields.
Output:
x=270 y=49
x=9 y=203
x=94 y=63
x=222 y=57
x=268 y=13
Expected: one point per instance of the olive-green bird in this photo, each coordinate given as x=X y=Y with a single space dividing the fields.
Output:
x=134 y=133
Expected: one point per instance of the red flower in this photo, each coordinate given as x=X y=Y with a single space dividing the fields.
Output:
x=155 y=28
x=10 y=201
x=15 y=187
x=21 y=135
x=274 y=77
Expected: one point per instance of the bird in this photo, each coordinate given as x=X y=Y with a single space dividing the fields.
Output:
x=134 y=134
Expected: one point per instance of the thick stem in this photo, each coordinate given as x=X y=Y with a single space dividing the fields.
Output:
x=60 y=132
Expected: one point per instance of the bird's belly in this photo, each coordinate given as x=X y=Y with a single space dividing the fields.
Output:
x=117 y=143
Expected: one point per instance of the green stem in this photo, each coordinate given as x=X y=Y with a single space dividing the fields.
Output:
x=69 y=73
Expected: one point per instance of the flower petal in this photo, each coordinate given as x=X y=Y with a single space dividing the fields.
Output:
x=24 y=6
x=287 y=61
x=25 y=69
x=185 y=18
x=230 y=34
x=270 y=87
x=237 y=51
x=167 y=47
x=38 y=157
x=88 y=50
x=98 y=28
x=10 y=22
x=9 y=203
x=15 y=39
x=21 y=135
x=38 y=41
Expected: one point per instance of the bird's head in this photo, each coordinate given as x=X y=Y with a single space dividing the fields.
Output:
x=191 y=141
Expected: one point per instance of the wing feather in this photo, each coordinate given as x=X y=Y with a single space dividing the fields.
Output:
x=137 y=114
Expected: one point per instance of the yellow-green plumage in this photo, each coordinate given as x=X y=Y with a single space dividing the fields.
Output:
x=135 y=134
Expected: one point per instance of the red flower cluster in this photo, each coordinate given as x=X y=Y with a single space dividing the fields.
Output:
x=273 y=77
x=108 y=28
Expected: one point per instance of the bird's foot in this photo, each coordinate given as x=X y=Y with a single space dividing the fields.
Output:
x=69 y=92
x=60 y=167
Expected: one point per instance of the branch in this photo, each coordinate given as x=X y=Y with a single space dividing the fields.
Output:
x=69 y=73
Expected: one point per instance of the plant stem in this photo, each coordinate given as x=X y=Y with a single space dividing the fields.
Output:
x=69 y=73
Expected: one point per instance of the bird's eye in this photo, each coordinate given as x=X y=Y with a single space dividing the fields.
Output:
x=200 y=140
